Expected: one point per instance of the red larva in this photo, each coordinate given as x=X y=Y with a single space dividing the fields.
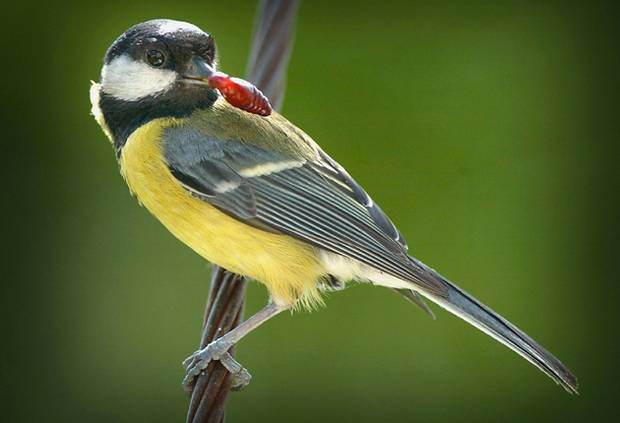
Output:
x=241 y=94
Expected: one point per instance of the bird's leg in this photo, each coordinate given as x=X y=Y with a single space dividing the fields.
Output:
x=218 y=349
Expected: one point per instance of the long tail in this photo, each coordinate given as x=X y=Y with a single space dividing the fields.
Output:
x=474 y=312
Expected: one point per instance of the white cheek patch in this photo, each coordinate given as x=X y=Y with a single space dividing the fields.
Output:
x=170 y=27
x=129 y=80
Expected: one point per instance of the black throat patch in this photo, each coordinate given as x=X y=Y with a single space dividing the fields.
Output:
x=124 y=117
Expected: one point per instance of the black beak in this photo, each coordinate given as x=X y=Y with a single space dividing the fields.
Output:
x=198 y=70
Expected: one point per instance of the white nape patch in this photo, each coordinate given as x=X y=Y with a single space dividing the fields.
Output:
x=95 y=109
x=129 y=80
x=170 y=26
x=269 y=168
x=347 y=269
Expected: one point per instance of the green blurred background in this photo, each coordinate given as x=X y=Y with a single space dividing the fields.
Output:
x=487 y=130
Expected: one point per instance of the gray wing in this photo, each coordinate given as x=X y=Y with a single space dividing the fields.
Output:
x=317 y=202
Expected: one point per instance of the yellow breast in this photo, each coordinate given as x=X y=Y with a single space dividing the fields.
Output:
x=289 y=268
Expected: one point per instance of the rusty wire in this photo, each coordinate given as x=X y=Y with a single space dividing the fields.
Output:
x=267 y=66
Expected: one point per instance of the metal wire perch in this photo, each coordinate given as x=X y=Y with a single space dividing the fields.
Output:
x=271 y=48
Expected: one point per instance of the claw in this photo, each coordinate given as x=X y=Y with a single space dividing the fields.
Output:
x=240 y=376
x=216 y=350
x=186 y=363
x=240 y=381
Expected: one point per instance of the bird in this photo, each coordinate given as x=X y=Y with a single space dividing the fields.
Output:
x=253 y=193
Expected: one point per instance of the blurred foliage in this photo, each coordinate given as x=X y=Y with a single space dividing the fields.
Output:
x=487 y=130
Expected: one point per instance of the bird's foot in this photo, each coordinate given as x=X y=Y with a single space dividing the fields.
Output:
x=216 y=350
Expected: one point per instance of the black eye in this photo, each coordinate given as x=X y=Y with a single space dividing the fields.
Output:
x=155 y=57
x=206 y=53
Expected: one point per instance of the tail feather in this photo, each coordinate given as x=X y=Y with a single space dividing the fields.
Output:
x=477 y=314
x=413 y=296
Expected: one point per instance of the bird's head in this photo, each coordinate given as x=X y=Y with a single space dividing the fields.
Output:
x=155 y=69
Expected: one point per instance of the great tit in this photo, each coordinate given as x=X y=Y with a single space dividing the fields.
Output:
x=256 y=195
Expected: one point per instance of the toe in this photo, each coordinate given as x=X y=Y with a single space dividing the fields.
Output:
x=240 y=380
x=191 y=359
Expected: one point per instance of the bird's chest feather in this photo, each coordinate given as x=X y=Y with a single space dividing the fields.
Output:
x=287 y=266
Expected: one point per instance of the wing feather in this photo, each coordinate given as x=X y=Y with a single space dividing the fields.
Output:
x=315 y=201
